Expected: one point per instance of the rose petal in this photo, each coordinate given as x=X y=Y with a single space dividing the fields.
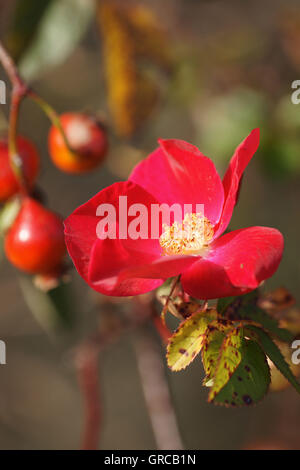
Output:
x=237 y=263
x=179 y=173
x=233 y=175
x=81 y=225
x=116 y=270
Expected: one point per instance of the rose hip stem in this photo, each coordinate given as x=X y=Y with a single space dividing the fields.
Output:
x=20 y=90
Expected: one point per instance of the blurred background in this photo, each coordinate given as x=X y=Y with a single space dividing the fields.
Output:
x=206 y=71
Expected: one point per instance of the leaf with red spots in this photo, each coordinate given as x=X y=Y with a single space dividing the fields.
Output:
x=210 y=353
x=212 y=343
x=250 y=381
x=229 y=358
x=187 y=340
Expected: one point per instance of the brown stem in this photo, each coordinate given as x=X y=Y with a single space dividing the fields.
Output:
x=174 y=284
x=53 y=116
x=162 y=329
x=156 y=393
x=10 y=68
x=14 y=158
x=87 y=370
x=20 y=90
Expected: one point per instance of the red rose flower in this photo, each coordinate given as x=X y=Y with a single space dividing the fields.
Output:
x=211 y=265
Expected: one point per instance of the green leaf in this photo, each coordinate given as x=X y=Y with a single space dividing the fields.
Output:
x=187 y=341
x=26 y=18
x=60 y=29
x=269 y=323
x=231 y=306
x=275 y=355
x=212 y=343
x=229 y=358
x=250 y=381
x=224 y=303
x=245 y=307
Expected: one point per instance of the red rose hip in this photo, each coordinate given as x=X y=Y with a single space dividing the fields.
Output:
x=35 y=242
x=87 y=138
x=30 y=165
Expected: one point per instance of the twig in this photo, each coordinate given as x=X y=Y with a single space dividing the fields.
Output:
x=15 y=160
x=86 y=361
x=10 y=68
x=172 y=290
x=20 y=90
x=153 y=379
x=54 y=118
x=87 y=369
x=162 y=329
x=156 y=393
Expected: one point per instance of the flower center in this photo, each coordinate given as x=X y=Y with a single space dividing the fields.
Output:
x=190 y=237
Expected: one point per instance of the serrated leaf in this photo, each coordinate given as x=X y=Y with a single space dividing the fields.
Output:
x=275 y=355
x=187 y=341
x=212 y=343
x=60 y=29
x=260 y=316
x=229 y=358
x=245 y=307
x=250 y=381
x=278 y=381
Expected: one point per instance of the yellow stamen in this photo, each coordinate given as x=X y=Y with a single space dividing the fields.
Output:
x=188 y=238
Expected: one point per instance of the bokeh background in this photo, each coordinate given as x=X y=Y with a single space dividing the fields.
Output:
x=207 y=71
